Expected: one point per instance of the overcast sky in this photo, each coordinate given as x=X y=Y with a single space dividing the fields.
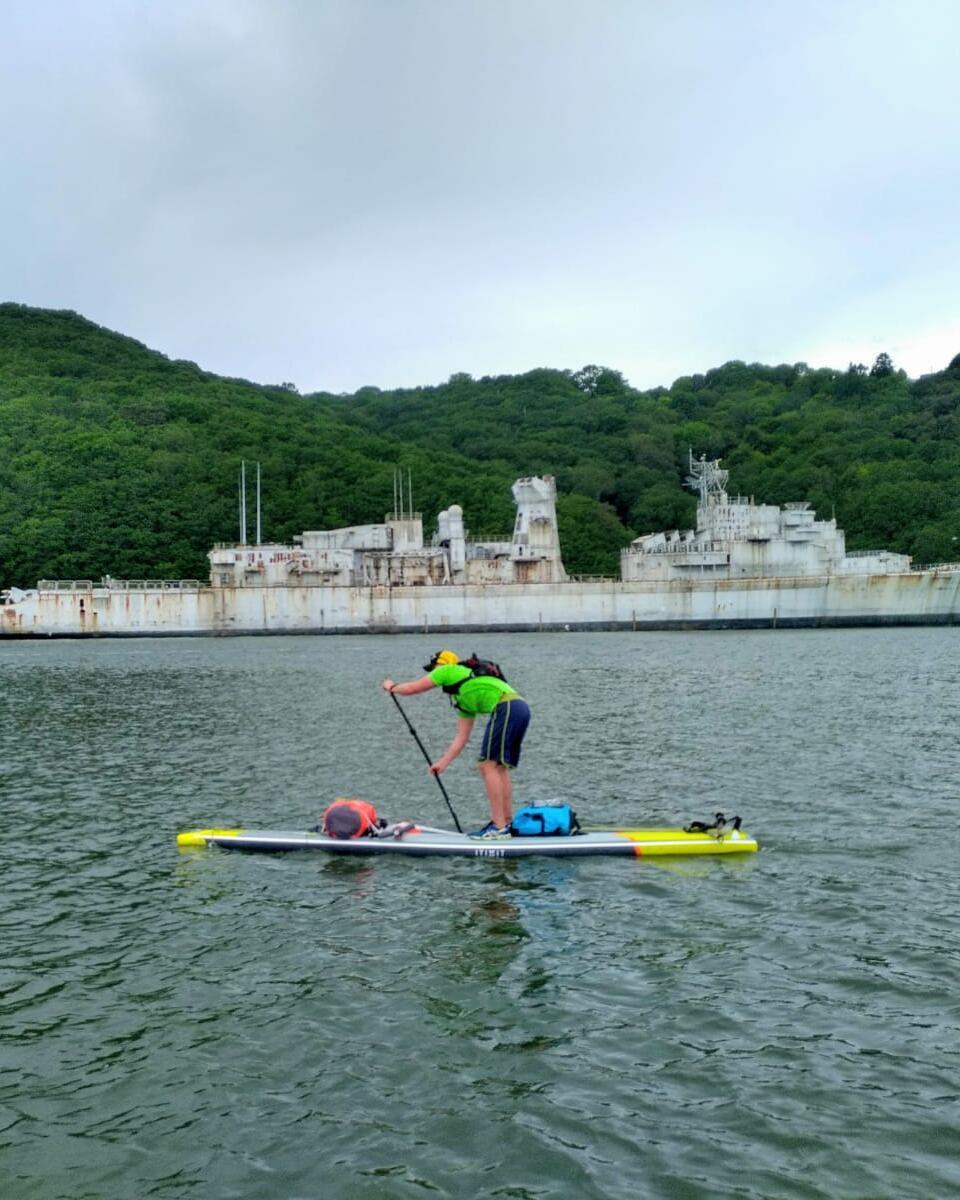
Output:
x=350 y=192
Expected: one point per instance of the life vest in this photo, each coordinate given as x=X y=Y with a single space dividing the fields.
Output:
x=351 y=819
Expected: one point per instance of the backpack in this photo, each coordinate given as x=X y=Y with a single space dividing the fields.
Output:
x=545 y=820
x=345 y=819
x=476 y=667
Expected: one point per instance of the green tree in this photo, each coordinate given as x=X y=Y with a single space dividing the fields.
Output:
x=882 y=367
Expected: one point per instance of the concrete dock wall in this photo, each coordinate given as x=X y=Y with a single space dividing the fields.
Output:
x=917 y=597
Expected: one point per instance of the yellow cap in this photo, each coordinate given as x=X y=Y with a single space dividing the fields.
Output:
x=442 y=658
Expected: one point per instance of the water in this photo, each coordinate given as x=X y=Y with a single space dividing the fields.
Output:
x=215 y=1025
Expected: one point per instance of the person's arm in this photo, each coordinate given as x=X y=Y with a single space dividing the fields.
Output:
x=409 y=689
x=460 y=739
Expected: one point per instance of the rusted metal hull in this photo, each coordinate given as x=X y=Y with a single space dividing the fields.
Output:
x=911 y=598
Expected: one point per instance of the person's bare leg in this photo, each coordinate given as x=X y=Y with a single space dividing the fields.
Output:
x=496 y=779
x=506 y=794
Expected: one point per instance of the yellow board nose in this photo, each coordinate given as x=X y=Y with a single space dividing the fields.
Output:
x=198 y=837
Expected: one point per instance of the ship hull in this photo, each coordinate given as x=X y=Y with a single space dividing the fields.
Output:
x=911 y=598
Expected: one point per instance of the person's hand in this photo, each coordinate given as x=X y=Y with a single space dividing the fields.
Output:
x=388 y=685
x=438 y=767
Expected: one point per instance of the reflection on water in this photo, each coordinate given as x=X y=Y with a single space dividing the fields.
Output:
x=225 y=1025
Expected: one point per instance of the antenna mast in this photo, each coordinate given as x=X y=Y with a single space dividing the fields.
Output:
x=243 y=502
x=402 y=496
x=708 y=479
x=258 y=504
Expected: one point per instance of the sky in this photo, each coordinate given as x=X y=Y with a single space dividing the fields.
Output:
x=349 y=193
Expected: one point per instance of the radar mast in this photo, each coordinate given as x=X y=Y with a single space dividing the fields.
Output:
x=708 y=479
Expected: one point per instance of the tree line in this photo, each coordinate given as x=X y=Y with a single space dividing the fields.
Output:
x=117 y=460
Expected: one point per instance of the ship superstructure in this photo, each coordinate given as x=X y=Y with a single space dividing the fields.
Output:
x=738 y=539
x=394 y=553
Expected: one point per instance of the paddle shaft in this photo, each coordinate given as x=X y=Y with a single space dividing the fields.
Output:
x=423 y=750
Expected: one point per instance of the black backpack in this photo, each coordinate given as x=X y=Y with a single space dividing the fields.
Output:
x=477 y=667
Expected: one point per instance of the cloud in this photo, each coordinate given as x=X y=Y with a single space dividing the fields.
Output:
x=359 y=192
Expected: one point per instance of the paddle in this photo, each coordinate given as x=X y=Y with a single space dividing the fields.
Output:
x=429 y=760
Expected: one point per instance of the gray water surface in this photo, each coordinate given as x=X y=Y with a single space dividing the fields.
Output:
x=218 y=1025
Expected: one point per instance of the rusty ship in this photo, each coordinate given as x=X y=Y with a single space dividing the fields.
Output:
x=745 y=565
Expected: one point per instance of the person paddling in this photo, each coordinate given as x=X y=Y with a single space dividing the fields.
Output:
x=509 y=715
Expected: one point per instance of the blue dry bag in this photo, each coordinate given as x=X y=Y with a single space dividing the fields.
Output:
x=545 y=820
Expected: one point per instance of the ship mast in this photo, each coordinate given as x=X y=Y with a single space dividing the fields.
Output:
x=258 y=505
x=708 y=480
x=243 y=503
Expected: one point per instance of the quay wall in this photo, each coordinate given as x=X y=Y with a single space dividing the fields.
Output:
x=912 y=597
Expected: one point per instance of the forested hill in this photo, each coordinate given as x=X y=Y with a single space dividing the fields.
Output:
x=114 y=459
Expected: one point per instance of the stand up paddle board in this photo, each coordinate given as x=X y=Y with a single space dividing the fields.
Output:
x=423 y=841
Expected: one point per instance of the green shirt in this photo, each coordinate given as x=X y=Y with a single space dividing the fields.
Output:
x=480 y=693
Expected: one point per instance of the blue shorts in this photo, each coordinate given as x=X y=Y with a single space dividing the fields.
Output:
x=503 y=735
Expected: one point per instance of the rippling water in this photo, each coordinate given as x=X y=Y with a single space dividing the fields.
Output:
x=216 y=1025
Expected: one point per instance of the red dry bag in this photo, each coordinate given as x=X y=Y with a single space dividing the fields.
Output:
x=351 y=819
